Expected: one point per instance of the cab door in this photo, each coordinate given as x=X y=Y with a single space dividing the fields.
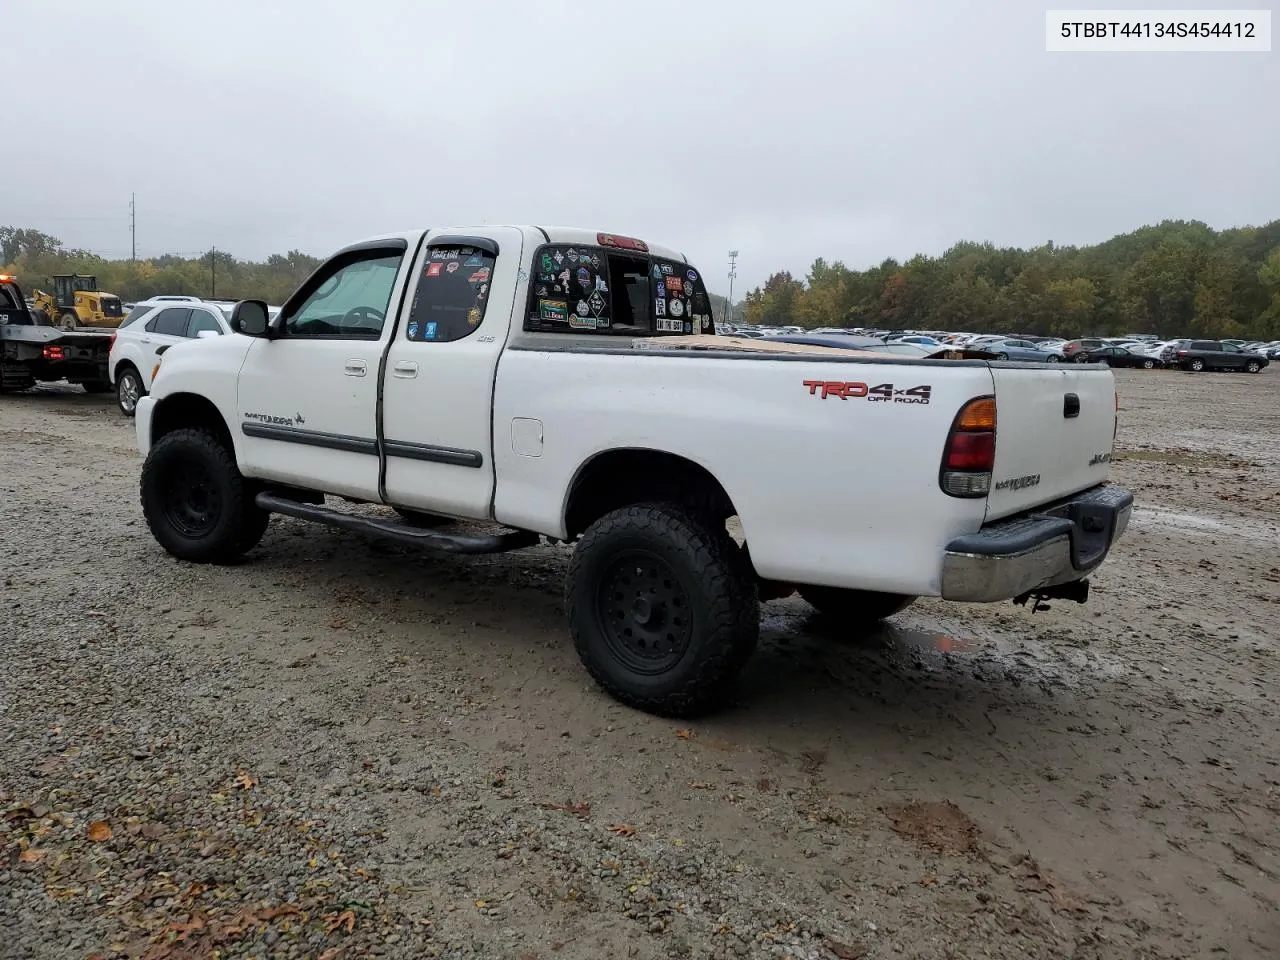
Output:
x=437 y=411
x=307 y=396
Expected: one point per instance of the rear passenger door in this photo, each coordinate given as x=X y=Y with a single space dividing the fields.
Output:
x=163 y=329
x=1233 y=357
x=437 y=409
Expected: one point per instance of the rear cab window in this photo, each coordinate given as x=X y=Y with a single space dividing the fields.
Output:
x=612 y=292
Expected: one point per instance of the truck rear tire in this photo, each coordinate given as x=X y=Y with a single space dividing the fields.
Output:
x=197 y=504
x=855 y=606
x=68 y=321
x=662 y=607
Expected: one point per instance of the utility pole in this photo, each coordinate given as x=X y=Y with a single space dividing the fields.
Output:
x=733 y=272
x=213 y=272
x=133 y=226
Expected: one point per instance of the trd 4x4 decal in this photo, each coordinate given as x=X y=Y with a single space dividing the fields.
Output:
x=882 y=393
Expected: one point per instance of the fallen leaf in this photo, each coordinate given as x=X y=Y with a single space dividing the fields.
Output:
x=701 y=785
x=333 y=953
x=622 y=829
x=684 y=734
x=246 y=780
x=31 y=855
x=184 y=930
x=19 y=813
x=346 y=918
x=847 y=951
x=580 y=809
x=481 y=904
x=929 y=880
x=99 y=831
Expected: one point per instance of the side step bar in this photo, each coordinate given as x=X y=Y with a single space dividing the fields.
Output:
x=398 y=531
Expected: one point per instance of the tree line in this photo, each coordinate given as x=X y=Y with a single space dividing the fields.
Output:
x=34 y=257
x=1176 y=279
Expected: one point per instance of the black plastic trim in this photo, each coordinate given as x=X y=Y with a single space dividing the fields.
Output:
x=483 y=243
x=399 y=244
x=309 y=438
x=1022 y=532
x=1071 y=406
x=433 y=454
x=545 y=236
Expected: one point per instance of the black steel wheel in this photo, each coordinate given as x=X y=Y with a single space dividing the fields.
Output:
x=197 y=504
x=663 y=608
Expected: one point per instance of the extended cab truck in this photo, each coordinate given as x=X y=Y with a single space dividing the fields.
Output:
x=31 y=353
x=568 y=385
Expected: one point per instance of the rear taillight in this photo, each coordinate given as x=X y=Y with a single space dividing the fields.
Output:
x=52 y=353
x=111 y=344
x=1182 y=353
x=970 y=453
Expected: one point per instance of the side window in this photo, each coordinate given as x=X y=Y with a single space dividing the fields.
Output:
x=452 y=294
x=136 y=314
x=202 y=320
x=169 y=322
x=1231 y=348
x=680 y=300
x=573 y=291
x=350 y=303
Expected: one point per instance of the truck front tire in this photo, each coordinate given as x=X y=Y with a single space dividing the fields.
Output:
x=855 y=606
x=196 y=502
x=662 y=607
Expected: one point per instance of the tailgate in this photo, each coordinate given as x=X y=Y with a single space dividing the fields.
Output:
x=1054 y=431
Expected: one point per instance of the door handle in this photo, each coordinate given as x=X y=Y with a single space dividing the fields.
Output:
x=355 y=368
x=146 y=339
x=405 y=368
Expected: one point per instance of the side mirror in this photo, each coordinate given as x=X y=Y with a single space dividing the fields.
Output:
x=250 y=318
x=206 y=334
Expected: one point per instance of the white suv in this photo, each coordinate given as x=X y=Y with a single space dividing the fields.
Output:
x=152 y=326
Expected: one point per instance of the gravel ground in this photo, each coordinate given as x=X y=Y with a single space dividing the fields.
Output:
x=342 y=750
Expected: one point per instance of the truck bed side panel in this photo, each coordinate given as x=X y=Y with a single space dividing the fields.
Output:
x=830 y=490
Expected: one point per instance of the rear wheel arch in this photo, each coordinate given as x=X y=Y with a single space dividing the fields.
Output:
x=613 y=479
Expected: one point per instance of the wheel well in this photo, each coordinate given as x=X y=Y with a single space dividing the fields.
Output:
x=188 y=410
x=122 y=366
x=620 y=477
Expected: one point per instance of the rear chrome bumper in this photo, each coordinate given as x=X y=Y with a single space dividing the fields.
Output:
x=1057 y=543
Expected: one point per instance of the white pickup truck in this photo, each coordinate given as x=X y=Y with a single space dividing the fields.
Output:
x=567 y=384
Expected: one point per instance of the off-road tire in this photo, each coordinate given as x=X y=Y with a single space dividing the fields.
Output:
x=68 y=321
x=236 y=523
x=712 y=607
x=124 y=376
x=424 y=521
x=855 y=606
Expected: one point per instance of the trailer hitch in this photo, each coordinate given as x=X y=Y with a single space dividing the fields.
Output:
x=1076 y=590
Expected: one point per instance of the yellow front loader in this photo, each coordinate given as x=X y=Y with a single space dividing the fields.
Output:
x=76 y=302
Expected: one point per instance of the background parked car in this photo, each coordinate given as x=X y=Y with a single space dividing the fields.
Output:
x=152 y=326
x=1197 y=355
x=1118 y=357
x=1014 y=349
x=1072 y=347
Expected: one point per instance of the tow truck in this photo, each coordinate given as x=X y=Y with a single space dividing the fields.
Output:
x=32 y=353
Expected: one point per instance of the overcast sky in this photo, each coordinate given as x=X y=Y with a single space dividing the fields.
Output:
x=847 y=129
